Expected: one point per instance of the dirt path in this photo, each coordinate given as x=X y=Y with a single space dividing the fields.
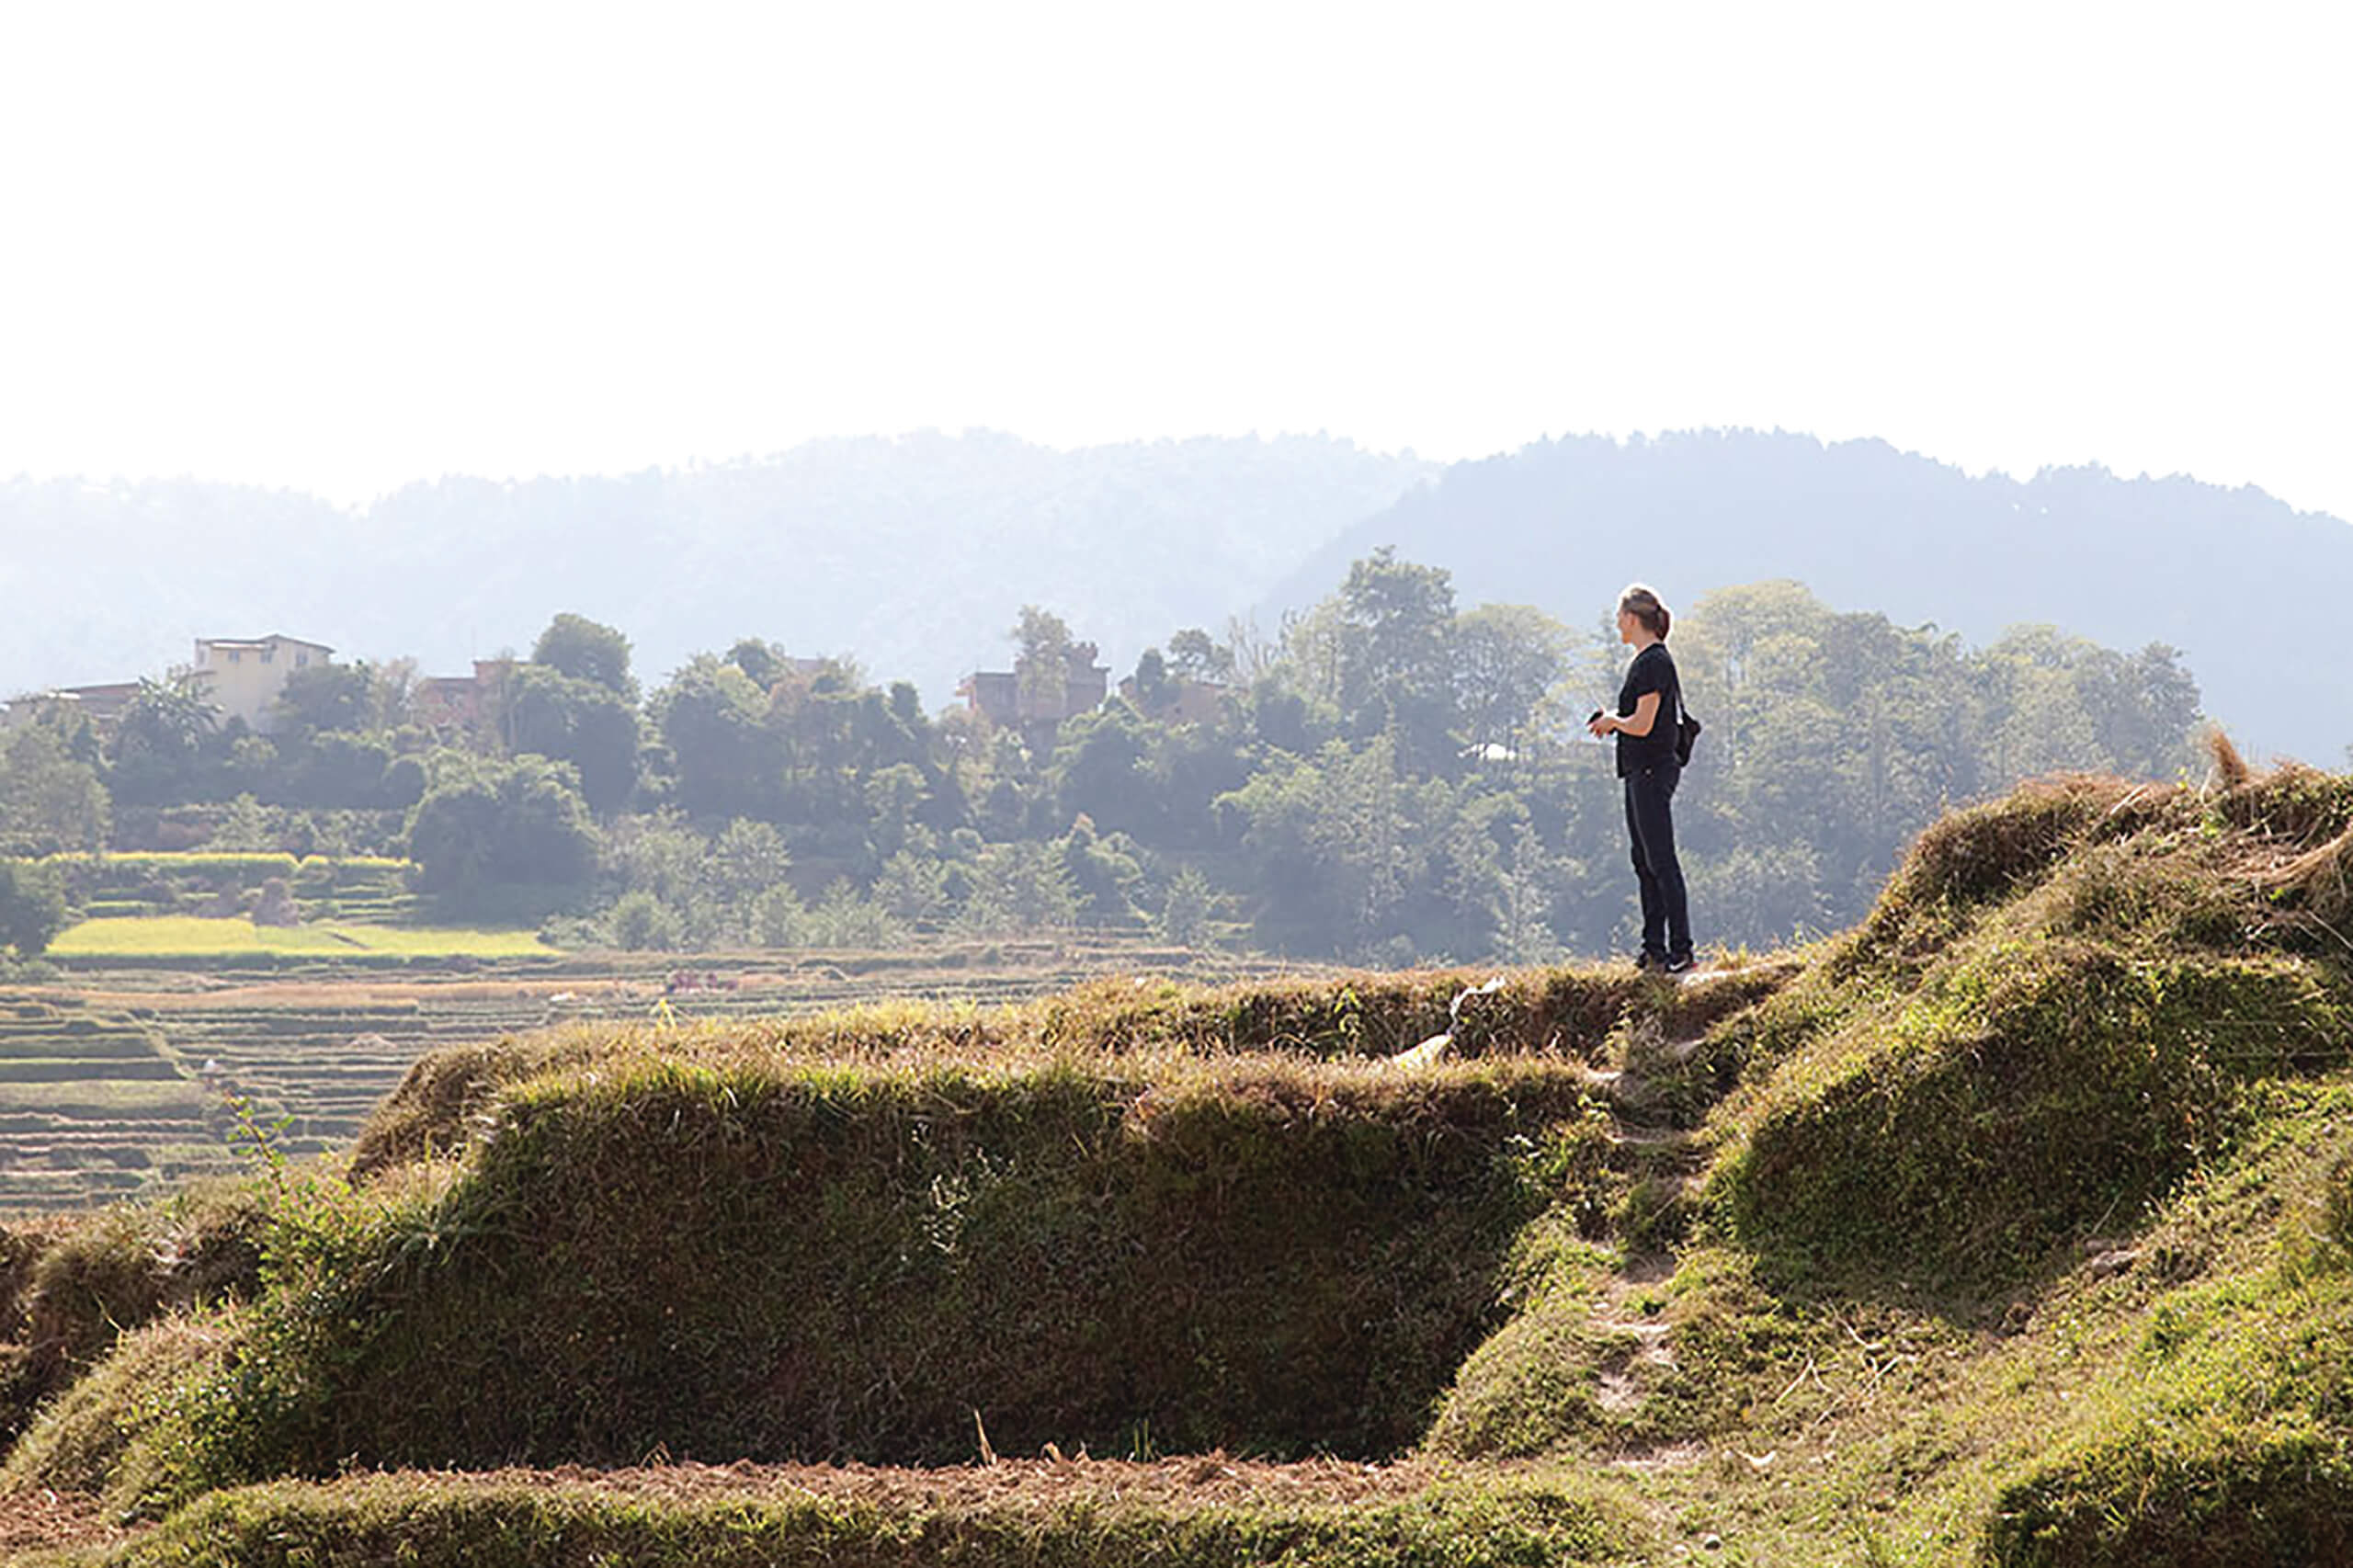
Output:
x=45 y=1520
x=1665 y=1160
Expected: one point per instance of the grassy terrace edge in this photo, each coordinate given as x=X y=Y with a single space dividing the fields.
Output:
x=1207 y=1511
x=2014 y=1226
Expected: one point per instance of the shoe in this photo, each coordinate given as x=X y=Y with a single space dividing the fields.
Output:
x=1678 y=963
x=1648 y=962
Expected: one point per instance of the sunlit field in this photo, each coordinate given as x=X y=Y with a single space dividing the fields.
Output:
x=176 y=935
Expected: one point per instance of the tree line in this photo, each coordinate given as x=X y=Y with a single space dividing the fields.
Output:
x=1385 y=777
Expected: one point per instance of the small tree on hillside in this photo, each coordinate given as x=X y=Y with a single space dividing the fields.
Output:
x=50 y=800
x=1185 y=909
x=1193 y=655
x=157 y=752
x=1042 y=665
x=32 y=907
x=584 y=650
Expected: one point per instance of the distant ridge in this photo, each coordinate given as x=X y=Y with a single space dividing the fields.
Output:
x=911 y=552
x=2252 y=591
x=914 y=552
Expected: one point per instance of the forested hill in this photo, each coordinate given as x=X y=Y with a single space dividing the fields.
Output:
x=911 y=552
x=2252 y=592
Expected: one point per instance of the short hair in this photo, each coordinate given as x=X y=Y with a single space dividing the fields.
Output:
x=1644 y=606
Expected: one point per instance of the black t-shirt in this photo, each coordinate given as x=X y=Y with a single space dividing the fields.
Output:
x=1652 y=670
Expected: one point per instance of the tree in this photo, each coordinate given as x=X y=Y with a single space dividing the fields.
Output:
x=318 y=698
x=761 y=662
x=1193 y=655
x=1151 y=685
x=578 y=721
x=404 y=782
x=747 y=859
x=1185 y=909
x=893 y=796
x=392 y=686
x=662 y=856
x=1523 y=901
x=158 y=751
x=50 y=800
x=1101 y=871
x=1326 y=840
x=642 y=922
x=242 y=827
x=1507 y=658
x=714 y=720
x=32 y=907
x=842 y=919
x=1042 y=660
x=502 y=833
x=1394 y=657
x=1100 y=770
x=337 y=770
x=912 y=887
x=1018 y=888
x=2142 y=705
x=576 y=646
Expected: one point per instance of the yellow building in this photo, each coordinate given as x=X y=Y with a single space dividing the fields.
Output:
x=242 y=677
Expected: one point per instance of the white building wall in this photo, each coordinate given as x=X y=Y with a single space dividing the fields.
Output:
x=243 y=677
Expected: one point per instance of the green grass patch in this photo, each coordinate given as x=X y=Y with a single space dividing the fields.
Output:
x=68 y=1290
x=2022 y=1048
x=79 y=1441
x=197 y=937
x=1065 y=1516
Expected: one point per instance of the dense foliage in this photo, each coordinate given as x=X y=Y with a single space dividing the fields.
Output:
x=32 y=907
x=1387 y=776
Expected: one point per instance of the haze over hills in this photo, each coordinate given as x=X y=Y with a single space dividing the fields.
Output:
x=914 y=553
x=2250 y=590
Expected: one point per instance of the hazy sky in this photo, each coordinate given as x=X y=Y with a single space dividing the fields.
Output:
x=340 y=247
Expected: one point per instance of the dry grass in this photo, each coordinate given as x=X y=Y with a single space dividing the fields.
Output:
x=1160 y=1028
x=2231 y=769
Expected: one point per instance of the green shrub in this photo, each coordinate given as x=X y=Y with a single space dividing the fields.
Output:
x=79 y=1441
x=78 y=1284
x=640 y=922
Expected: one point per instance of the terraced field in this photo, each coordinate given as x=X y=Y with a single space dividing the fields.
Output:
x=123 y=1082
x=93 y=1105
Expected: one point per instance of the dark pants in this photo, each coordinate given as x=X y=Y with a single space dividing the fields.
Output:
x=1666 y=913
